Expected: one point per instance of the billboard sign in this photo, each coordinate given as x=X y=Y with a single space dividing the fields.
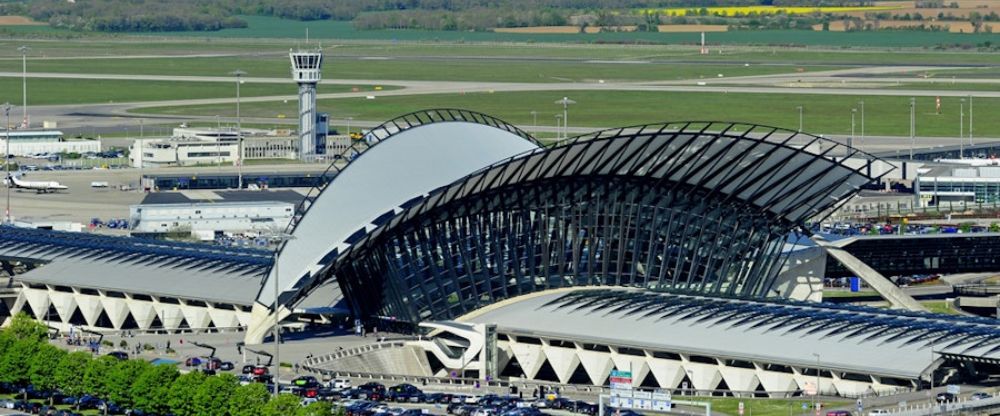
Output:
x=621 y=380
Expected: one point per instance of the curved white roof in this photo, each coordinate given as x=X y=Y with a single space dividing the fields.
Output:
x=408 y=164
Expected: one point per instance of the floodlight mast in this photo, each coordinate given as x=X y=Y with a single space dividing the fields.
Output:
x=239 y=74
x=565 y=102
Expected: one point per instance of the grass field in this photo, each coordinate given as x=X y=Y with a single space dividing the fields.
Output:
x=944 y=85
x=267 y=27
x=939 y=306
x=86 y=91
x=763 y=407
x=278 y=48
x=829 y=114
x=405 y=69
x=848 y=294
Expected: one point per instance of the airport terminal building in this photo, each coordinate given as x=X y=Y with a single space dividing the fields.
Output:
x=660 y=248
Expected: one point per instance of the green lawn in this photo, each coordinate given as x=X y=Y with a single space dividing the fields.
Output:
x=939 y=306
x=762 y=407
x=885 y=115
x=848 y=294
x=276 y=49
x=269 y=27
x=84 y=91
x=405 y=69
x=943 y=85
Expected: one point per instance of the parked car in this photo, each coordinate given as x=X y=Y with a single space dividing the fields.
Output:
x=945 y=397
x=372 y=391
x=306 y=382
x=980 y=396
x=838 y=413
x=404 y=393
x=340 y=383
x=121 y=355
x=878 y=412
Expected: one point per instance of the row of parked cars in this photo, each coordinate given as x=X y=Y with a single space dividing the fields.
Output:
x=85 y=402
x=374 y=399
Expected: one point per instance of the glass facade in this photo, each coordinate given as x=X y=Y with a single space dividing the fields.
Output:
x=562 y=233
x=910 y=255
x=978 y=191
x=231 y=181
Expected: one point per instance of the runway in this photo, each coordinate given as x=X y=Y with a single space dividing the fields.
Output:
x=86 y=117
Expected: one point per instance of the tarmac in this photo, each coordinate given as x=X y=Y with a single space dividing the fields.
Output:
x=81 y=202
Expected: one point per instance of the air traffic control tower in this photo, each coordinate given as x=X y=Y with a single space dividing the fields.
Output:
x=306 y=66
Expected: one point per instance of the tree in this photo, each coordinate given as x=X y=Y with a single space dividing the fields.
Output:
x=212 y=397
x=15 y=364
x=319 y=408
x=121 y=378
x=23 y=326
x=283 y=405
x=248 y=400
x=152 y=390
x=94 y=376
x=41 y=371
x=181 y=392
x=69 y=373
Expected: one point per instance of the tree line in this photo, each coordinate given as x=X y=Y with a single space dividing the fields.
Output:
x=27 y=358
x=211 y=15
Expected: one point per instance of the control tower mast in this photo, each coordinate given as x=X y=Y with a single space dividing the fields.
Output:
x=306 y=66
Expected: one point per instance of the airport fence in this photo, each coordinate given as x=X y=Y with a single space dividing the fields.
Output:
x=962 y=406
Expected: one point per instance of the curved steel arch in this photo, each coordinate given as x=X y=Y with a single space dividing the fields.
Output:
x=756 y=167
x=397 y=127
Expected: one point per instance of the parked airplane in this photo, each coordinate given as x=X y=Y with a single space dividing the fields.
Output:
x=38 y=186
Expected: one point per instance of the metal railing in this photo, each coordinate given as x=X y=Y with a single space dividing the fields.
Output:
x=976 y=289
x=893 y=209
x=350 y=352
x=312 y=365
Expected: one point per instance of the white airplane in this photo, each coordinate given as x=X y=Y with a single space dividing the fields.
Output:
x=41 y=187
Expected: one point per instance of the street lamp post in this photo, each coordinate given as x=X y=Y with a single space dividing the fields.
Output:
x=565 y=102
x=558 y=126
x=850 y=143
x=817 y=380
x=913 y=125
x=800 y=118
x=961 y=128
x=282 y=238
x=218 y=141
x=971 y=142
x=141 y=141
x=349 y=126
x=239 y=130
x=862 y=104
x=6 y=162
x=534 y=119
x=24 y=85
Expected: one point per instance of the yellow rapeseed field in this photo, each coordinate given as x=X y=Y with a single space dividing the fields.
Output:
x=744 y=10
